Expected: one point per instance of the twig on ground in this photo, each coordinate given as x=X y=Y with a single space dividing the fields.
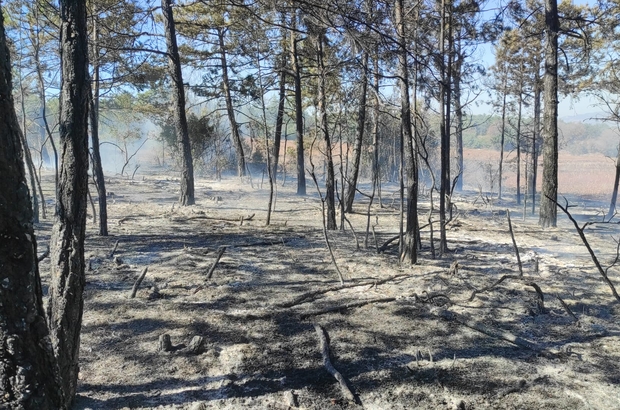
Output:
x=387 y=243
x=136 y=285
x=566 y=308
x=220 y=252
x=239 y=219
x=111 y=255
x=541 y=296
x=324 y=347
x=514 y=243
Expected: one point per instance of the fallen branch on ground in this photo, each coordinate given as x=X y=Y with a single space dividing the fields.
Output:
x=514 y=244
x=309 y=296
x=111 y=255
x=324 y=347
x=240 y=219
x=566 y=308
x=136 y=285
x=220 y=252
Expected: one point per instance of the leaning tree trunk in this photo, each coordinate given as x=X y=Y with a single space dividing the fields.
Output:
x=94 y=135
x=359 y=138
x=409 y=251
x=330 y=190
x=614 y=196
x=178 y=102
x=299 y=113
x=28 y=377
x=230 y=109
x=67 y=243
x=549 y=195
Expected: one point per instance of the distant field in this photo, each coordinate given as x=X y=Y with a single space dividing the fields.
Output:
x=589 y=175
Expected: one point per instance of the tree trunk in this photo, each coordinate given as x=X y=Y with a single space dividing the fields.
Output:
x=178 y=102
x=279 y=121
x=519 y=147
x=502 y=138
x=359 y=138
x=535 y=139
x=299 y=114
x=67 y=241
x=445 y=97
x=230 y=109
x=458 y=112
x=94 y=134
x=548 y=210
x=614 y=196
x=376 y=175
x=28 y=378
x=330 y=194
x=409 y=250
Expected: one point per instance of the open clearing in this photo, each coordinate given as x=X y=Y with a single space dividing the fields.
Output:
x=412 y=348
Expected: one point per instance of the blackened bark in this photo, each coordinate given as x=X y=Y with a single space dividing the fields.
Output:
x=614 y=196
x=359 y=138
x=230 y=109
x=409 y=250
x=458 y=113
x=446 y=100
x=94 y=135
x=299 y=114
x=28 y=376
x=279 y=120
x=549 y=195
x=519 y=147
x=330 y=190
x=178 y=102
x=67 y=242
x=535 y=138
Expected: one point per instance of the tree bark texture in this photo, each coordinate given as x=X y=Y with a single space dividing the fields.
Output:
x=178 y=102
x=409 y=250
x=548 y=211
x=230 y=109
x=67 y=242
x=94 y=135
x=279 y=121
x=446 y=100
x=299 y=114
x=28 y=376
x=614 y=195
x=330 y=190
x=359 y=137
x=535 y=139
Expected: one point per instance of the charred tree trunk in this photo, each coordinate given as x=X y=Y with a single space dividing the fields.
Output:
x=614 y=195
x=230 y=109
x=67 y=241
x=299 y=114
x=178 y=102
x=279 y=121
x=458 y=112
x=519 y=148
x=446 y=99
x=359 y=138
x=535 y=139
x=548 y=210
x=409 y=250
x=502 y=138
x=330 y=190
x=28 y=377
x=376 y=174
x=94 y=135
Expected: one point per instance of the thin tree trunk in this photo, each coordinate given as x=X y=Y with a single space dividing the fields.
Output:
x=376 y=175
x=67 y=242
x=458 y=112
x=614 y=196
x=502 y=138
x=409 y=250
x=28 y=379
x=94 y=134
x=178 y=101
x=519 y=149
x=548 y=210
x=299 y=116
x=446 y=91
x=230 y=110
x=330 y=194
x=535 y=139
x=279 y=120
x=359 y=138
x=27 y=155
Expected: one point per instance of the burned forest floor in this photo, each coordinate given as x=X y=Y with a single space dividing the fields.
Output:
x=441 y=334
